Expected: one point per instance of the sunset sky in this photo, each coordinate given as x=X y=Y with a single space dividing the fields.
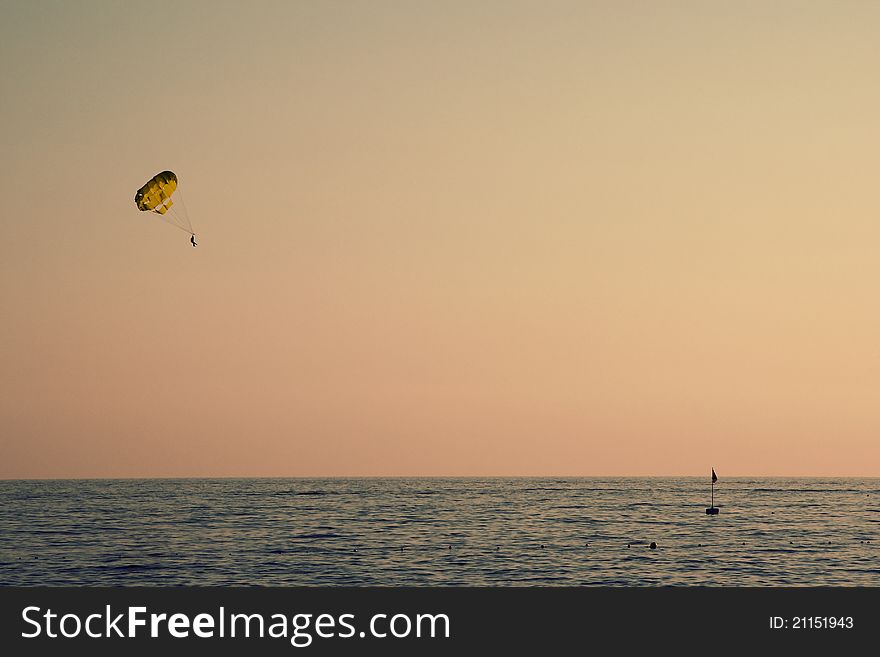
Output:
x=441 y=238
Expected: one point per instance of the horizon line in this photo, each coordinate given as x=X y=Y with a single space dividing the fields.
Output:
x=618 y=476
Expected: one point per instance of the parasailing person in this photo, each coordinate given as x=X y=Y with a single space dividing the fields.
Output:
x=156 y=197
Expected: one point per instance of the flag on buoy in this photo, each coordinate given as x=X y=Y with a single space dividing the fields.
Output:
x=713 y=510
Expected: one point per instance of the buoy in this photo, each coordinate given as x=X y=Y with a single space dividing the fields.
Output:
x=653 y=545
x=712 y=510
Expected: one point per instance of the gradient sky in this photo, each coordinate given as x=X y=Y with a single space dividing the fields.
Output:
x=441 y=238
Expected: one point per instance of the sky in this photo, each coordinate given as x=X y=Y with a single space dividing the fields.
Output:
x=441 y=238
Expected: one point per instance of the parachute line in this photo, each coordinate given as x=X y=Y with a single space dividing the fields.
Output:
x=185 y=212
x=164 y=217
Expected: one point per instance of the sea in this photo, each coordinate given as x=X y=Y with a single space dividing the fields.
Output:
x=440 y=532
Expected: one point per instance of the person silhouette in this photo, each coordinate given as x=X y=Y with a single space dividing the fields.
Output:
x=193 y=239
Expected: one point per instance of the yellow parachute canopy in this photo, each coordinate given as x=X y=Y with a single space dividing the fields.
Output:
x=155 y=196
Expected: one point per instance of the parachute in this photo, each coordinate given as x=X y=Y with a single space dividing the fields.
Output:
x=155 y=196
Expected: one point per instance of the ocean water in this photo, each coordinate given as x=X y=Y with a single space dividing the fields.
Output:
x=440 y=532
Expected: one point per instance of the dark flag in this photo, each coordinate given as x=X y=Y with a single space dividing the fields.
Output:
x=714 y=476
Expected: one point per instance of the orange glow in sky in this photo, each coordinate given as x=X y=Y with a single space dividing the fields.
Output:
x=441 y=238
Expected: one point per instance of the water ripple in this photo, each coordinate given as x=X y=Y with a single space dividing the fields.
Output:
x=435 y=531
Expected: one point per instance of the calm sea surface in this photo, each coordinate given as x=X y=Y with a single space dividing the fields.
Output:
x=428 y=532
